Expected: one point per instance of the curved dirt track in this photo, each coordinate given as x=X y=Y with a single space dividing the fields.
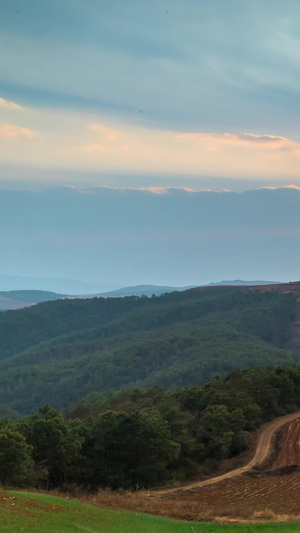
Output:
x=261 y=453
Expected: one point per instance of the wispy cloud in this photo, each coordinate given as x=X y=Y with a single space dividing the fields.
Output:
x=292 y=187
x=94 y=147
x=261 y=139
x=270 y=188
x=266 y=141
x=10 y=105
x=105 y=133
x=10 y=131
x=93 y=142
x=152 y=190
x=106 y=138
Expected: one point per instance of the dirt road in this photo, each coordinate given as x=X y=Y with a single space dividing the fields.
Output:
x=261 y=453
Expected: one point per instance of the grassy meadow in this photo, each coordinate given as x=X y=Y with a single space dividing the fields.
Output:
x=40 y=513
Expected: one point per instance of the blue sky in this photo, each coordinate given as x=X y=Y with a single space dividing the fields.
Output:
x=148 y=93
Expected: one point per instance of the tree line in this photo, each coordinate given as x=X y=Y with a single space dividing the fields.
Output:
x=144 y=437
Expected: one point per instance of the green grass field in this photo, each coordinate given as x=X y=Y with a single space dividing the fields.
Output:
x=40 y=513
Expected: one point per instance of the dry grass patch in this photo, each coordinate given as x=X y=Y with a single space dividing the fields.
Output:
x=269 y=499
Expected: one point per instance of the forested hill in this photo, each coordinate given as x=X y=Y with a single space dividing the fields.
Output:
x=56 y=352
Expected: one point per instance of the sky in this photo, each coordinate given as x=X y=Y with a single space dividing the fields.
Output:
x=127 y=237
x=108 y=107
x=200 y=94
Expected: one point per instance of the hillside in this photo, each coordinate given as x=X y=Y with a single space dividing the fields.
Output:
x=57 y=352
x=147 y=437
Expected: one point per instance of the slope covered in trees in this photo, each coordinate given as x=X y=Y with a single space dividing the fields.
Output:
x=142 y=437
x=57 y=352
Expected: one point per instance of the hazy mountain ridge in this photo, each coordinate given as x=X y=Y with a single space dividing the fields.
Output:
x=10 y=283
x=241 y=282
x=142 y=290
x=10 y=300
x=31 y=297
x=17 y=299
x=9 y=304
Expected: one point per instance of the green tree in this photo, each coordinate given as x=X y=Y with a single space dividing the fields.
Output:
x=221 y=431
x=15 y=457
x=55 y=444
x=128 y=449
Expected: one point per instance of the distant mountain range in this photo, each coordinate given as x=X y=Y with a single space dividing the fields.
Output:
x=18 y=299
x=58 y=285
x=143 y=290
x=148 y=290
x=244 y=283
x=10 y=300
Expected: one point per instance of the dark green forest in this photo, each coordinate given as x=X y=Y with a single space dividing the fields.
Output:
x=144 y=437
x=57 y=352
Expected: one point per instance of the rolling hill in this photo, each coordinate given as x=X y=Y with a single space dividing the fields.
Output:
x=56 y=352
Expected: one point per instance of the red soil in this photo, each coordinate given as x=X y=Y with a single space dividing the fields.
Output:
x=244 y=494
x=290 y=450
x=271 y=494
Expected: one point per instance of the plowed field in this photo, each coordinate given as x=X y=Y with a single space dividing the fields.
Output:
x=259 y=491
x=240 y=498
x=290 y=448
x=273 y=493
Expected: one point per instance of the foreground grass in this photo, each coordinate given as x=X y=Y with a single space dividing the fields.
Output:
x=40 y=513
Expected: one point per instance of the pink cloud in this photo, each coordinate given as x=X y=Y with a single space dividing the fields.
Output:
x=94 y=147
x=212 y=149
x=107 y=134
x=152 y=190
x=268 y=187
x=266 y=141
x=10 y=131
x=292 y=187
x=158 y=190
